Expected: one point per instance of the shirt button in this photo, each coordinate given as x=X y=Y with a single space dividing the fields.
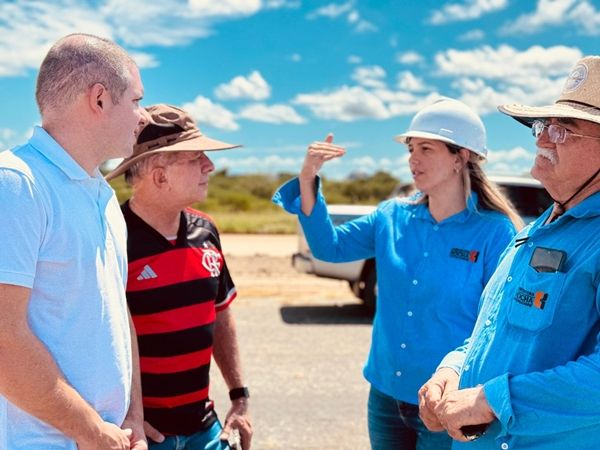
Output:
x=488 y=323
x=426 y=254
x=504 y=446
x=509 y=279
x=398 y=373
x=530 y=244
x=403 y=345
x=435 y=228
x=415 y=282
x=409 y=314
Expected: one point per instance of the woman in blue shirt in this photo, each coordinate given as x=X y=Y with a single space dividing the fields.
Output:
x=434 y=253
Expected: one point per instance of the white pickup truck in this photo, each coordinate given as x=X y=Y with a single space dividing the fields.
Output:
x=528 y=196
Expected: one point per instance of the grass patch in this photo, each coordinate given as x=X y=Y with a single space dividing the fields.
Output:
x=267 y=222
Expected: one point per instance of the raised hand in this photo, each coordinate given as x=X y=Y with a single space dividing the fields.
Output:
x=318 y=152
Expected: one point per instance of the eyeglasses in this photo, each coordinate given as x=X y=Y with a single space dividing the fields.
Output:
x=556 y=133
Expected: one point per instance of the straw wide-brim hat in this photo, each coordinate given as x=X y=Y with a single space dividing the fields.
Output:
x=580 y=98
x=168 y=129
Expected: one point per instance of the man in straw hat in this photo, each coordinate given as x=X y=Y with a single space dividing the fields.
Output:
x=530 y=372
x=66 y=374
x=179 y=288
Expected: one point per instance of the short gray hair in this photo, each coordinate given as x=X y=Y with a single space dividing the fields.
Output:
x=139 y=168
x=74 y=64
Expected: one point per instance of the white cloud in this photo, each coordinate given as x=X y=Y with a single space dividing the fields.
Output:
x=276 y=114
x=353 y=59
x=345 y=104
x=408 y=104
x=473 y=35
x=6 y=138
x=194 y=19
x=580 y=14
x=409 y=58
x=468 y=10
x=28 y=29
x=205 y=112
x=144 y=60
x=337 y=10
x=516 y=161
x=332 y=10
x=276 y=4
x=484 y=79
x=253 y=87
x=370 y=76
x=407 y=81
x=296 y=57
x=524 y=67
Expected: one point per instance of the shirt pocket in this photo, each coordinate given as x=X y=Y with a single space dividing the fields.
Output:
x=533 y=302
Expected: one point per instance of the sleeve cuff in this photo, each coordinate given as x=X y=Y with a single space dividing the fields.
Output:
x=497 y=394
x=453 y=360
x=288 y=195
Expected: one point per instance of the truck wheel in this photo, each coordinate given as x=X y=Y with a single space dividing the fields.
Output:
x=370 y=291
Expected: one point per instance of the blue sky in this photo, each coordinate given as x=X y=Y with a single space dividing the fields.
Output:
x=275 y=75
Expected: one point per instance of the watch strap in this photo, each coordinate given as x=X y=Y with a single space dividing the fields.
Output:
x=239 y=392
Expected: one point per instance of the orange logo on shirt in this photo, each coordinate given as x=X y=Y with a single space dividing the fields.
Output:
x=539 y=300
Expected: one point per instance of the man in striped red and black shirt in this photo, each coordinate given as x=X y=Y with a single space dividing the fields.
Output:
x=179 y=288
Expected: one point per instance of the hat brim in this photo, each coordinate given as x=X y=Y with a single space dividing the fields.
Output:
x=527 y=114
x=196 y=144
x=403 y=138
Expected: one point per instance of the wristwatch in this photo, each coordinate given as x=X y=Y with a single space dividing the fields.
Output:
x=239 y=392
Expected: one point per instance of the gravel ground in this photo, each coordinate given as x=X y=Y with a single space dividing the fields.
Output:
x=303 y=342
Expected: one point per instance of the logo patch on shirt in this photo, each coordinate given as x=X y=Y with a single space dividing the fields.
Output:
x=536 y=299
x=147 y=273
x=211 y=261
x=465 y=255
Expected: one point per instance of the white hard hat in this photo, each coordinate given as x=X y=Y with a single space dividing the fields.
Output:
x=450 y=121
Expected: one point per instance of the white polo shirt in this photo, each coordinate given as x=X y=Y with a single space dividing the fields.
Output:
x=63 y=236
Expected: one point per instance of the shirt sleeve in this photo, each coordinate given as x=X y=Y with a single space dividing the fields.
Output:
x=350 y=241
x=22 y=223
x=226 y=292
x=557 y=400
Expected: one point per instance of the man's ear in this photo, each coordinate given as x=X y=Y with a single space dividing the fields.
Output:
x=159 y=177
x=97 y=97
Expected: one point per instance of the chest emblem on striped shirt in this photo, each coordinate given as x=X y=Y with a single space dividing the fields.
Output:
x=211 y=261
x=465 y=255
x=147 y=273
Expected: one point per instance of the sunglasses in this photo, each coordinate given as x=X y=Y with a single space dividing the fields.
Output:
x=556 y=133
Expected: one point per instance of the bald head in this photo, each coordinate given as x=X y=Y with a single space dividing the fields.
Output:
x=77 y=62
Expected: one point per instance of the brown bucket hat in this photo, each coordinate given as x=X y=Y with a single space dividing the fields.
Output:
x=168 y=129
x=580 y=98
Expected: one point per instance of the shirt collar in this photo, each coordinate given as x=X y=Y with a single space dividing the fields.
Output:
x=588 y=207
x=53 y=152
x=422 y=211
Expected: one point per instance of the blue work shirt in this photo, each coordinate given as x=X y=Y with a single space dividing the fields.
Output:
x=63 y=237
x=535 y=344
x=429 y=275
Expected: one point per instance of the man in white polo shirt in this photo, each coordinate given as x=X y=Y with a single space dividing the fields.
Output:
x=65 y=345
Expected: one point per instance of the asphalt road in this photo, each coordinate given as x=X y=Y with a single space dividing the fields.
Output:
x=303 y=342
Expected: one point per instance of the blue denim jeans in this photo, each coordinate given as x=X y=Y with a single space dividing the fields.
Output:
x=204 y=440
x=396 y=425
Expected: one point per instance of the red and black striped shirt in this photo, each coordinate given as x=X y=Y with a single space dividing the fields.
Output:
x=174 y=290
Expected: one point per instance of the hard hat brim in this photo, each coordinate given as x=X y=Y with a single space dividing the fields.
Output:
x=403 y=138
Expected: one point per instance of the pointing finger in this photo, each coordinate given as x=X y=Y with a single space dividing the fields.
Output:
x=329 y=138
